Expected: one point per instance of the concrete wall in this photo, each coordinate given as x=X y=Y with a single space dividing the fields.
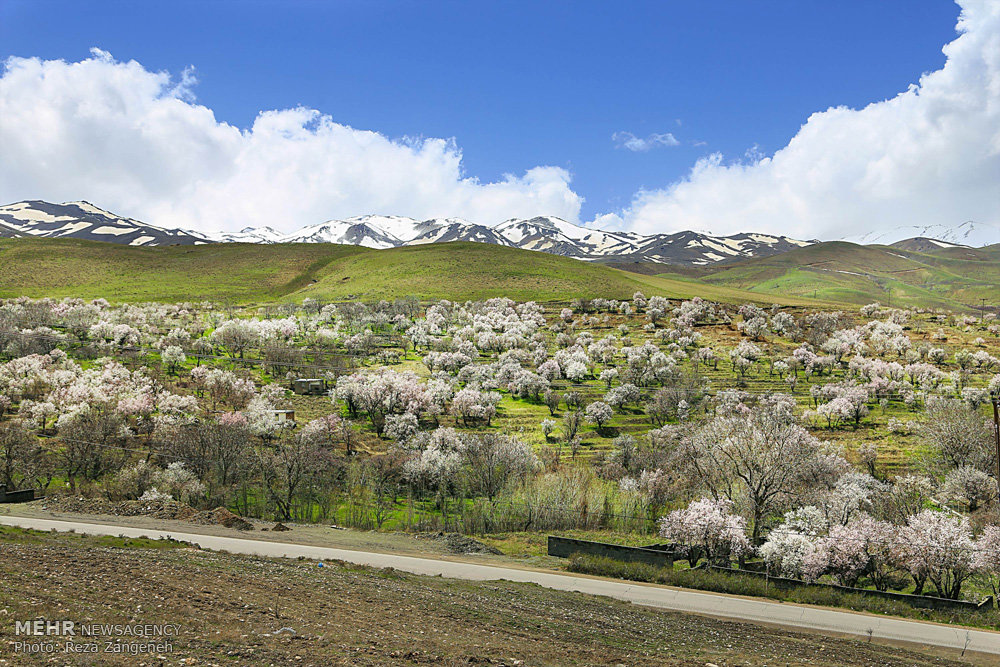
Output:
x=16 y=496
x=565 y=547
x=922 y=601
x=663 y=555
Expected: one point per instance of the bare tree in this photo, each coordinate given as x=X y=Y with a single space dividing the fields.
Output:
x=571 y=424
x=92 y=444
x=287 y=468
x=959 y=434
x=755 y=457
x=21 y=459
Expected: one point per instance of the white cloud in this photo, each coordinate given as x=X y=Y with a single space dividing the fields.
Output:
x=135 y=142
x=630 y=142
x=928 y=156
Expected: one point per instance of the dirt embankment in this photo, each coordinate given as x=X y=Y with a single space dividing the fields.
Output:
x=255 y=611
x=457 y=543
x=157 y=509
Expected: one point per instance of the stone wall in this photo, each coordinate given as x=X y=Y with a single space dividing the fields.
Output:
x=565 y=547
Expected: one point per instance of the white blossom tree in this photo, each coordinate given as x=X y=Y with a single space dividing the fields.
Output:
x=598 y=413
x=937 y=547
x=708 y=528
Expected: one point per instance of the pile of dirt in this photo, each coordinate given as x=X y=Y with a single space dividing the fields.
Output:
x=280 y=527
x=457 y=543
x=73 y=504
x=220 y=516
x=157 y=509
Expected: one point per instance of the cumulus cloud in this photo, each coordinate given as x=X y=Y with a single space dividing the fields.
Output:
x=630 y=142
x=136 y=142
x=928 y=156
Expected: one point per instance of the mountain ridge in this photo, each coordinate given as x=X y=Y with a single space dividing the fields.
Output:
x=82 y=220
x=85 y=221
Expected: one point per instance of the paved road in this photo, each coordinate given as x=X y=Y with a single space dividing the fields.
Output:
x=790 y=615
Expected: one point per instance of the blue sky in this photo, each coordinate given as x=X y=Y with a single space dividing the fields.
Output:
x=520 y=84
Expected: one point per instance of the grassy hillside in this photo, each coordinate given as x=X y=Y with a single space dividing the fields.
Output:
x=466 y=271
x=987 y=254
x=476 y=270
x=224 y=272
x=850 y=273
x=245 y=273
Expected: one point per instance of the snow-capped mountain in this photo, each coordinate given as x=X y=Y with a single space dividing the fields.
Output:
x=376 y=231
x=7 y=232
x=555 y=235
x=354 y=231
x=700 y=249
x=451 y=229
x=924 y=244
x=543 y=233
x=245 y=235
x=83 y=220
x=969 y=233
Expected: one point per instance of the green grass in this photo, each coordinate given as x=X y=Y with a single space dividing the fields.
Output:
x=13 y=534
x=219 y=272
x=247 y=273
x=849 y=273
x=467 y=271
x=823 y=275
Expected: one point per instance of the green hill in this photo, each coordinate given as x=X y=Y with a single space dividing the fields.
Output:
x=224 y=272
x=247 y=273
x=837 y=271
x=477 y=270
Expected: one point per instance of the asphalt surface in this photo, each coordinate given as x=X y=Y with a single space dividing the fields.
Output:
x=823 y=620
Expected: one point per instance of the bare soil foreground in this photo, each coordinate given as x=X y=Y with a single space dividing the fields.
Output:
x=255 y=611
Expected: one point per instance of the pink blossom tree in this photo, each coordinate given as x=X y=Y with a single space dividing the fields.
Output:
x=937 y=547
x=987 y=558
x=708 y=528
x=473 y=405
x=758 y=457
x=862 y=547
x=383 y=392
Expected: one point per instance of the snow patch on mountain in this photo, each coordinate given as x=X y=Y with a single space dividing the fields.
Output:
x=541 y=233
x=969 y=233
x=83 y=220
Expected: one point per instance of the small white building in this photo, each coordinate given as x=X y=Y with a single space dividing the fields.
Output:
x=283 y=417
